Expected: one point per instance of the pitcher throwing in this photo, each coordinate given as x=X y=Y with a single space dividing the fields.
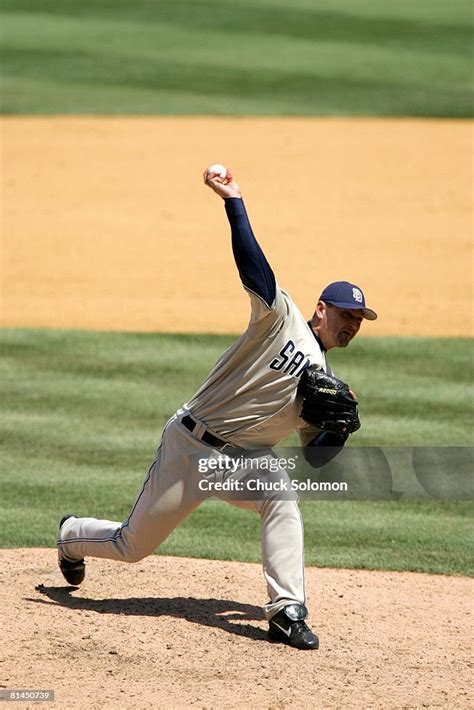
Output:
x=254 y=396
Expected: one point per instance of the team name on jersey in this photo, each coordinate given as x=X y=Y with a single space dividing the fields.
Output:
x=289 y=360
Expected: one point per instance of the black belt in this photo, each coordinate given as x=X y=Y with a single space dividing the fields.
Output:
x=207 y=437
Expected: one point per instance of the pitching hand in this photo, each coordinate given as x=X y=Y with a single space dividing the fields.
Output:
x=224 y=187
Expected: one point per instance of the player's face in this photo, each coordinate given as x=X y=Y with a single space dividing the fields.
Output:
x=339 y=325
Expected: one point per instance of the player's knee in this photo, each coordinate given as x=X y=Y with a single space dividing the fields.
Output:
x=134 y=554
x=133 y=557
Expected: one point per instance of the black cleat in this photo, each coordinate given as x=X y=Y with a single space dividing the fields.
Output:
x=288 y=627
x=73 y=571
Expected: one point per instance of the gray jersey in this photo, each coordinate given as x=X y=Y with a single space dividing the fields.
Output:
x=250 y=398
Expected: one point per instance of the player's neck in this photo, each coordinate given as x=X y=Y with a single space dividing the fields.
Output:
x=315 y=328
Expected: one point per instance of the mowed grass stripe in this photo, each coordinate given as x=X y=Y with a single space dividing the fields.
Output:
x=412 y=391
x=326 y=21
x=213 y=57
x=82 y=414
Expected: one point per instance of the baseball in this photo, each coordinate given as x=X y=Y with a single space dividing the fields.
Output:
x=218 y=168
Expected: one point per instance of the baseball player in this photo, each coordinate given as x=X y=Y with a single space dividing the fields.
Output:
x=250 y=401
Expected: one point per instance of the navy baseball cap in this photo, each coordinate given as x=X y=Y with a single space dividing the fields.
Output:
x=346 y=295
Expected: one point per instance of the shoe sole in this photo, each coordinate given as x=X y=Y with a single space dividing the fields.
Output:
x=74 y=573
x=277 y=637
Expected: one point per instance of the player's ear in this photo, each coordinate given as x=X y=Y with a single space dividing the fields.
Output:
x=320 y=310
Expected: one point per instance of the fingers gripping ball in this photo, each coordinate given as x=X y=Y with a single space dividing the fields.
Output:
x=221 y=180
x=327 y=402
x=219 y=170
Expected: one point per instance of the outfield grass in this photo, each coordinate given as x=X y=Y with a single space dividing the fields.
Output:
x=82 y=414
x=335 y=57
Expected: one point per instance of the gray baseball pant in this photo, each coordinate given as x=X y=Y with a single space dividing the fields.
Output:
x=169 y=494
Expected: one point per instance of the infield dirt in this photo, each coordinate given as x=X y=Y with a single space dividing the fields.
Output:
x=175 y=633
x=106 y=223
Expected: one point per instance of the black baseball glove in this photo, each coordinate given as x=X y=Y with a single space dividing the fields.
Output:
x=327 y=402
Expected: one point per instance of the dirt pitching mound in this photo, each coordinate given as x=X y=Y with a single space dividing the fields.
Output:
x=174 y=633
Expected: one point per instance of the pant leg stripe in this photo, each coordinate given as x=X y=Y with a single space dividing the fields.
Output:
x=119 y=532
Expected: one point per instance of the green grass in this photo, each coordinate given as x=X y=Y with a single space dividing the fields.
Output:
x=414 y=536
x=333 y=57
x=82 y=412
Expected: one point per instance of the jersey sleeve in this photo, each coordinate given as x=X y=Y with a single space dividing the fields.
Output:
x=258 y=279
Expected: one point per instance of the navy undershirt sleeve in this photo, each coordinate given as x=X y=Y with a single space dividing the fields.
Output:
x=254 y=270
x=323 y=448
